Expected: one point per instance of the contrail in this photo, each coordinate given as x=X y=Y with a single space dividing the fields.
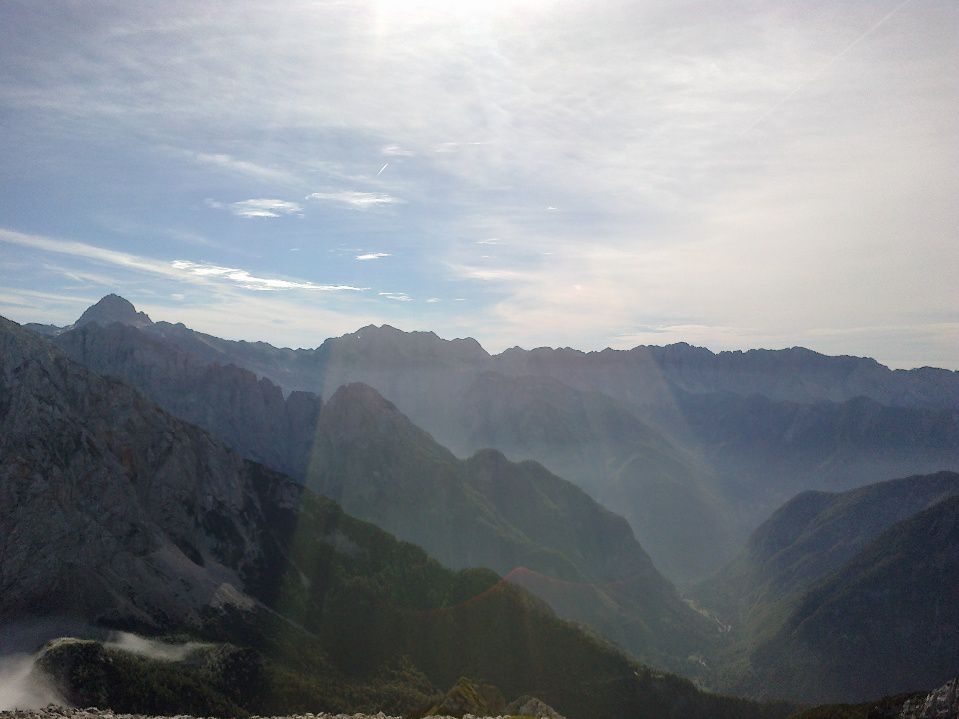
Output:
x=828 y=64
x=381 y=169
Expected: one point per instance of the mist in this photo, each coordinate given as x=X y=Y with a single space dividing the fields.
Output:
x=150 y=648
x=21 y=687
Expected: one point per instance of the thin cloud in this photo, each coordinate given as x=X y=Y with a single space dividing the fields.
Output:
x=242 y=167
x=31 y=299
x=453 y=146
x=824 y=67
x=372 y=256
x=91 y=252
x=78 y=275
x=252 y=282
x=639 y=154
x=356 y=200
x=256 y=208
x=397 y=151
x=433 y=300
x=197 y=272
x=487 y=275
x=397 y=296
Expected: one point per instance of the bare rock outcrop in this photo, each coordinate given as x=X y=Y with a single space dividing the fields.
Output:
x=943 y=703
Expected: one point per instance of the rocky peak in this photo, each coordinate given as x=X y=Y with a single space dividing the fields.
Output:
x=389 y=344
x=360 y=395
x=114 y=308
x=148 y=488
x=356 y=411
x=943 y=703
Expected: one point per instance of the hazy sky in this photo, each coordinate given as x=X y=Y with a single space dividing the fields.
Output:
x=733 y=174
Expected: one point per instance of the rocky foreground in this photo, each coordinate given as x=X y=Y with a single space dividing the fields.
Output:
x=58 y=712
x=943 y=703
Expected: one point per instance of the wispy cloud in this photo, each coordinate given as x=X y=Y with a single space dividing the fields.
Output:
x=252 y=282
x=28 y=299
x=356 y=200
x=453 y=146
x=397 y=151
x=183 y=270
x=840 y=202
x=91 y=252
x=242 y=167
x=257 y=207
x=488 y=274
x=397 y=296
x=80 y=275
x=372 y=256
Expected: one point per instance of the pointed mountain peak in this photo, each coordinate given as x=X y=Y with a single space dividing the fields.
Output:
x=362 y=395
x=114 y=308
x=357 y=412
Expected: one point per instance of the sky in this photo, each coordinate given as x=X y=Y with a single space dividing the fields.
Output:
x=732 y=174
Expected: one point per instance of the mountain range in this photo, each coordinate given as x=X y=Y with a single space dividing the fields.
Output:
x=358 y=449
x=118 y=514
x=839 y=595
x=695 y=449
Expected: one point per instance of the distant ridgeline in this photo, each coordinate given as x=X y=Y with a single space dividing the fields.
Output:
x=694 y=449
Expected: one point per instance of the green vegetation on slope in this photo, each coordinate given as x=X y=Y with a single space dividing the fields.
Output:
x=487 y=511
x=887 y=621
x=780 y=647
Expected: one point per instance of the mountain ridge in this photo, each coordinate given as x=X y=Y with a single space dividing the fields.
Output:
x=705 y=460
x=100 y=485
x=358 y=449
x=863 y=373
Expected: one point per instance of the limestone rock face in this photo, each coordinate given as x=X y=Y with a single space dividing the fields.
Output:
x=531 y=706
x=943 y=703
x=250 y=415
x=470 y=698
x=114 y=308
x=111 y=507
